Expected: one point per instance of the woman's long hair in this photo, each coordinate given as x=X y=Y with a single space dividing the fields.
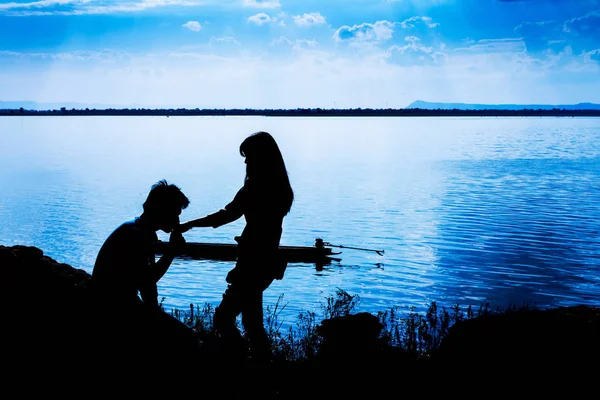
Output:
x=266 y=171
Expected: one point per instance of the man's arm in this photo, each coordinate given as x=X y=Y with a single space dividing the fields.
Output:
x=149 y=294
x=144 y=262
x=162 y=265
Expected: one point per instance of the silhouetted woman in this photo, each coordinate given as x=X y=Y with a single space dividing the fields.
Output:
x=264 y=200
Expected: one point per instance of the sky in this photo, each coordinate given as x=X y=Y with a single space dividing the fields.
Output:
x=299 y=53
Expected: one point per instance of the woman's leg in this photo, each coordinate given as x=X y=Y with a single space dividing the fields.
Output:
x=227 y=312
x=252 y=319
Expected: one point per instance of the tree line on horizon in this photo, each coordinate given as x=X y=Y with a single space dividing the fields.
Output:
x=305 y=112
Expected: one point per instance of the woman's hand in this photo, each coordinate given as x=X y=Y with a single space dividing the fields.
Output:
x=182 y=228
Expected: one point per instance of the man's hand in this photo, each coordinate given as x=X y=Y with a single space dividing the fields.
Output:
x=176 y=240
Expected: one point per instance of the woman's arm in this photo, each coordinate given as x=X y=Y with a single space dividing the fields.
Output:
x=214 y=220
x=230 y=213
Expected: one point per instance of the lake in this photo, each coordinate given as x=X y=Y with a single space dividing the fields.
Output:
x=467 y=210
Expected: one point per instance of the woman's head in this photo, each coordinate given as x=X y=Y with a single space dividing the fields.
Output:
x=262 y=155
x=265 y=166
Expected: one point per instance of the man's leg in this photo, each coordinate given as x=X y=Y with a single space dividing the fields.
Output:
x=175 y=336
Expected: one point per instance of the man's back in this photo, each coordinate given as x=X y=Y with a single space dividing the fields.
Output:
x=121 y=267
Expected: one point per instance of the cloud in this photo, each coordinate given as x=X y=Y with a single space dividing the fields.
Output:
x=414 y=53
x=224 y=46
x=581 y=33
x=193 y=26
x=313 y=18
x=41 y=4
x=261 y=19
x=505 y=45
x=301 y=42
x=298 y=44
x=139 y=6
x=281 y=40
x=82 y=55
x=414 y=45
x=593 y=55
x=262 y=3
x=283 y=50
x=538 y=35
x=306 y=79
x=365 y=32
x=85 y=7
x=412 y=21
x=228 y=39
x=587 y=24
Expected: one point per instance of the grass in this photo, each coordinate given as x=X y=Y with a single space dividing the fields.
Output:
x=415 y=334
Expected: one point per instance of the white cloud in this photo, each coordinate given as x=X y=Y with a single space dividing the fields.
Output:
x=261 y=19
x=586 y=22
x=297 y=44
x=307 y=43
x=226 y=47
x=262 y=3
x=533 y=24
x=193 y=26
x=83 y=7
x=414 y=53
x=139 y=6
x=410 y=22
x=365 y=32
x=313 y=18
x=592 y=56
x=41 y=4
x=82 y=55
x=281 y=40
x=414 y=45
x=307 y=79
x=505 y=45
x=224 y=40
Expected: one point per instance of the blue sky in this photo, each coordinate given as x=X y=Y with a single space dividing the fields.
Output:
x=299 y=53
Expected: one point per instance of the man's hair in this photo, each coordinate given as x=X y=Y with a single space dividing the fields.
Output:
x=164 y=195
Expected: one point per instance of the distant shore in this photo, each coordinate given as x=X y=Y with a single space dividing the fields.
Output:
x=306 y=112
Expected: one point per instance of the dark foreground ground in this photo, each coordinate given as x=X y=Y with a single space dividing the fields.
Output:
x=49 y=346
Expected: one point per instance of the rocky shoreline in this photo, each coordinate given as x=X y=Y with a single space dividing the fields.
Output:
x=47 y=318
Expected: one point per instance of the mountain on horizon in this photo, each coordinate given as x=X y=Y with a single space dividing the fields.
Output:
x=420 y=104
x=425 y=105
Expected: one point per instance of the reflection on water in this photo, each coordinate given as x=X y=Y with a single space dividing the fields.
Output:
x=532 y=226
x=467 y=209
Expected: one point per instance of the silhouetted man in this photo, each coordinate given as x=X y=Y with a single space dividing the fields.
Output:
x=125 y=276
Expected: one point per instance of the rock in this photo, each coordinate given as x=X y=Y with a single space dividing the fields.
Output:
x=47 y=313
x=557 y=339
x=50 y=317
x=354 y=338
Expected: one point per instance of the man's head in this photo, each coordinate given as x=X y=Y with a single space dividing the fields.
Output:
x=164 y=204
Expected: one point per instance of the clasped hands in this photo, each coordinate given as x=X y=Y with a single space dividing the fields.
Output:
x=182 y=228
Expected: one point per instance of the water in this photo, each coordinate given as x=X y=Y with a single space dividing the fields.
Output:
x=468 y=210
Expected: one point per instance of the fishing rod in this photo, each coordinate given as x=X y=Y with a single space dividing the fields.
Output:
x=321 y=243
